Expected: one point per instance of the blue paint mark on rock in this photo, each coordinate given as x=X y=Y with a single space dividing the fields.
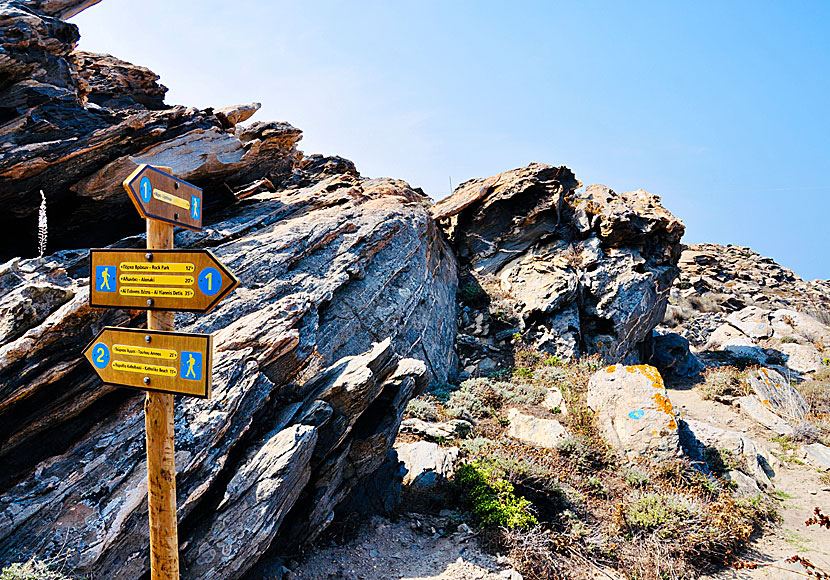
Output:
x=638 y=414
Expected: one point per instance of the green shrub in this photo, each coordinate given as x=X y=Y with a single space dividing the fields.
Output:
x=492 y=500
x=657 y=510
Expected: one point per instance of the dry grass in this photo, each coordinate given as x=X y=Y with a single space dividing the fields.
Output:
x=595 y=510
x=720 y=383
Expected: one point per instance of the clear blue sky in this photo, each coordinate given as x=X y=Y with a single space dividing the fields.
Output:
x=721 y=108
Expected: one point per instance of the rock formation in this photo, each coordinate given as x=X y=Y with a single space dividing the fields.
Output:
x=585 y=271
x=74 y=123
x=735 y=307
x=346 y=308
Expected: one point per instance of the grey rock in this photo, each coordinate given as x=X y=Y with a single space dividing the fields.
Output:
x=426 y=463
x=763 y=414
x=753 y=321
x=544 y=433
x=757 y=460
x=299 y=308
x=673 y=358
x=744 y=485
x=634 y=411
x=818 y=454
x=448 y=430
x=589 y=271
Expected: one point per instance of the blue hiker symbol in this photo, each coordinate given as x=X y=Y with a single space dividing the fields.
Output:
x=105 y=278
x=194 y=207
x=191 y=367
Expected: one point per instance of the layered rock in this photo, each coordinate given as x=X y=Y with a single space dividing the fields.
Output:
x=587 y=271
x=326 y=272
x=73 y=124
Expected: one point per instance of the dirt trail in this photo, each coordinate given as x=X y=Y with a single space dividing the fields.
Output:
x=799 y=488
x=407 y=549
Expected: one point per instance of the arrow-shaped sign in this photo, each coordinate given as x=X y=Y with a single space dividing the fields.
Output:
x=171 y=362
x=160 y=196
x=187 y=280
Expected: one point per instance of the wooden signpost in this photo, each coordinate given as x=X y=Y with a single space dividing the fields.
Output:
x=157 y=195
x=158 y=360
x=184 y=280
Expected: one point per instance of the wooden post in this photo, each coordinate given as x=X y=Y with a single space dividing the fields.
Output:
x=161 y=461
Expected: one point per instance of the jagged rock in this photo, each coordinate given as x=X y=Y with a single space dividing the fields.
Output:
x=55 y=138
x=634 y=410
x=238 y=114
x=426 y=463
x=588 y=271
x=699 y=437
x=535 y=431
x=672 y=357
x=733 y=282
x=452 y=429
x=326 y=271
x=116 y=84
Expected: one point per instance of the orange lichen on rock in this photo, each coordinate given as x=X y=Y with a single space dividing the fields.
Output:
x=664 y=404
x=611 y=369
x=650 y=373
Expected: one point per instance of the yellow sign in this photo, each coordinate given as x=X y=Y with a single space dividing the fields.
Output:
x=171 y=199
x=171 y=362
x=191 y=280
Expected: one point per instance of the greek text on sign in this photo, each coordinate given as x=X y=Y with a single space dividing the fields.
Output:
x=171 y=362
x=160 y=196
x=190 y=280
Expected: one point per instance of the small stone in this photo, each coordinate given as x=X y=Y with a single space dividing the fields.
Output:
x=464 y=528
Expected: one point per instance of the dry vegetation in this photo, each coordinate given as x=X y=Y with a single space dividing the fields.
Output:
x=579 y=507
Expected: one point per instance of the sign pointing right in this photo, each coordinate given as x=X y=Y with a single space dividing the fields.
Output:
x=171 y=362
x=187 y=280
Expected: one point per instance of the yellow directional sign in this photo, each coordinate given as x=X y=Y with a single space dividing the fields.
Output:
x=171 y=362
x=160 y=196
x=187 y=280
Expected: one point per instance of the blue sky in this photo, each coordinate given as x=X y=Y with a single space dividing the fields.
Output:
x=721 y=108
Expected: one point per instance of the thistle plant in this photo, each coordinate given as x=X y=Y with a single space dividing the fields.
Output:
x=41 y=225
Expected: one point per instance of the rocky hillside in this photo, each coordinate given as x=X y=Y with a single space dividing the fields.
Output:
x=737 y=307
x=524 y=309
x=346 y=309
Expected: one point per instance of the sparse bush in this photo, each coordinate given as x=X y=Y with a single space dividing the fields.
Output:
x=635 y=478
x=424 y=408
x=719 y=382
x=34 y=569
x=788 y=340
x=653 y=511
x=492 y=500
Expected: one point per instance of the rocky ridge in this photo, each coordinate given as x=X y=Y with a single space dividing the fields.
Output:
x=571 y=271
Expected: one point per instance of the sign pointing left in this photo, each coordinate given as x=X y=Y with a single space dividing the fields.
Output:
x=160 y=196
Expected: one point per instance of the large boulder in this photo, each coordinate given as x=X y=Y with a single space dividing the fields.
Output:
x=588 y=270
x=345 y=310
x=634 y=411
